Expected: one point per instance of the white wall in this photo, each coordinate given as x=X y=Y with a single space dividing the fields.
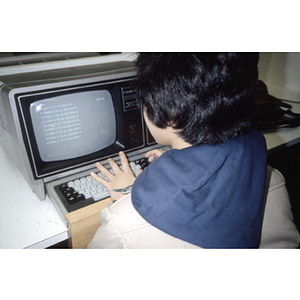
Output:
x=70 y=63
x=280 y=69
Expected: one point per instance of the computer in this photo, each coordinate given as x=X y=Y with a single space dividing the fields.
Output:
x=56 y=124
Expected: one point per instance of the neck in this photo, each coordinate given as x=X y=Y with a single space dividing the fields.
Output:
x=178 y=143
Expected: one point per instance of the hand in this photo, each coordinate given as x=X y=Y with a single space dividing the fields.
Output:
x=153 y=154
x=121 y=179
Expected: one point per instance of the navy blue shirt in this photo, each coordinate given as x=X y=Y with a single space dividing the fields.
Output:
x=208 y=195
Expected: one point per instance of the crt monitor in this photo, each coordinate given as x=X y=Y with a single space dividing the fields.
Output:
x=60 y=122
x=66 y=127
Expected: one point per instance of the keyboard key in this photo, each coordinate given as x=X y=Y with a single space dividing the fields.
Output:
x=88 y=195
x=80 y=197
x=89 y=178
x=64 y=187
x=101 y=195
x=77 y=182
x=71 y=184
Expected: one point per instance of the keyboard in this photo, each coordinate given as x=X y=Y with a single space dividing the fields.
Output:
x=87 y=189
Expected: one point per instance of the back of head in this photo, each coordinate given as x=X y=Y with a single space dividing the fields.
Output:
x=208 y=97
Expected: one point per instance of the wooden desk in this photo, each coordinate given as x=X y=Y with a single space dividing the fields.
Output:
x=83 y=224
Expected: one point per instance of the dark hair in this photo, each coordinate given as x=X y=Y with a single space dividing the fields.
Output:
x=209 y=97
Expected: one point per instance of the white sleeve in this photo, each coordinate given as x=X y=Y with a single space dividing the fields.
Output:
x=107 y=236
x=279 y=230
x=123 y=227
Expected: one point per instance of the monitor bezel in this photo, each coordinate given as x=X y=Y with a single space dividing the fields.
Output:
x=43 y=169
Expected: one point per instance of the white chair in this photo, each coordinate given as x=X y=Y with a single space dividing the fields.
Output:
x=278 y=230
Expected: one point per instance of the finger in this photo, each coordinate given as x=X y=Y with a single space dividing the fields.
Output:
x=151 y=159
x=124 y=162
x=114 y=166
x=103 y=170
x=99 y=179
x=149 y=153
x=153 y=154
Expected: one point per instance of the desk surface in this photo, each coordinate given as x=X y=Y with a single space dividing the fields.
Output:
x=284 y=136
x=27 y=222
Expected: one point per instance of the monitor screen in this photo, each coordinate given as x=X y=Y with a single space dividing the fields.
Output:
x=73 y=125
